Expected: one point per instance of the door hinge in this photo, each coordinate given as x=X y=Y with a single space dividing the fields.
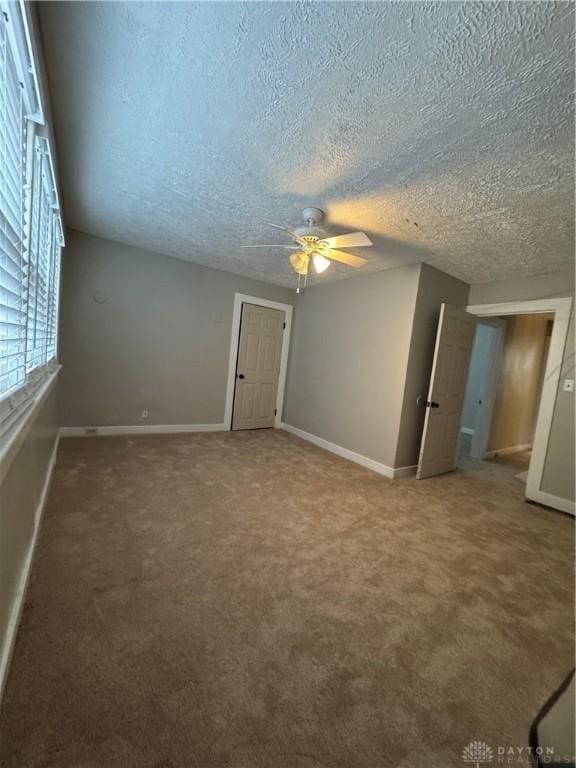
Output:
x=283 y=325
x=275 y=411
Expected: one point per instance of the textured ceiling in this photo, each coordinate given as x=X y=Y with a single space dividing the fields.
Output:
x=444 y=130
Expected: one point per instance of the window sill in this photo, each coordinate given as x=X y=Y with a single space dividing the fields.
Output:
x=12 y=437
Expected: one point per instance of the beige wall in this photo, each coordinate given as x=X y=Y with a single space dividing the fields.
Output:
x=142 y=331
x=21 y=487
x=434 y=288
x=518 y=392
x=558 y=477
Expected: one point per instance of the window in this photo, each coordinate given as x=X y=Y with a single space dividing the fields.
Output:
x=30 y=225
x=12 y=259
x=43 y=263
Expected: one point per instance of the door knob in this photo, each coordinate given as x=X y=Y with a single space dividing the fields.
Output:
x=432 y=404
x=240 y=376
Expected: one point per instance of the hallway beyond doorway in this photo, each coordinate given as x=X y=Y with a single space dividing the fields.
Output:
x=511 y=469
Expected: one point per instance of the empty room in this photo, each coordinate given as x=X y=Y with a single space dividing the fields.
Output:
x=287 y=435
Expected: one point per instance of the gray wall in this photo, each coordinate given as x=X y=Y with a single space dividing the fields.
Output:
x=20 y=493
x=558 y=478
x=524 y=289
x=362 y=353
x=434 y=288
x=144 y=331
x=347 y=369
x=478 y=369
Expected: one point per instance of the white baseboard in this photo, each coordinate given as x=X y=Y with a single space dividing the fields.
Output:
x=508 y=451
x=345 y=453
x=141 y=429
x=20 y=596
x=467 y=430
x=407 y=471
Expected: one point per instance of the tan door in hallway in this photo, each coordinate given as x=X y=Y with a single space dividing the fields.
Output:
x=454 y=342
x=258 y=367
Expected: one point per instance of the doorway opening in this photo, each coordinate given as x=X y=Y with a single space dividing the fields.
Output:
x=503 y=395
x=539 y=461
x=444 y=403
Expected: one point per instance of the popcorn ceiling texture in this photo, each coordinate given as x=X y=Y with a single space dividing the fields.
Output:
x=444 y=130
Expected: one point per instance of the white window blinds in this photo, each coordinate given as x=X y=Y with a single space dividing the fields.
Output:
x=43 y=260
x=54 y=289
x=30 y=225
x=13 y=271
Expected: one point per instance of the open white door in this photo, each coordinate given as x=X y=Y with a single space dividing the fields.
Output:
x=454 y=342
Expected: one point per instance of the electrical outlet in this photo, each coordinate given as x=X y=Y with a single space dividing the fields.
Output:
x=144 y=414
x=568 y=385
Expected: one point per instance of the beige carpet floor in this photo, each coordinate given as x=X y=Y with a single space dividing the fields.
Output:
x=246 y=600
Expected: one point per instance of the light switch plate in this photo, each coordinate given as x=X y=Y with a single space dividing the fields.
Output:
x=568 y=385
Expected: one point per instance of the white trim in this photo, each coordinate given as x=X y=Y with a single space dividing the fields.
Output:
x=9 y=639
x=146 y=429
x=239 y=299
x=21 y=420
x=345 y=453
x=20 y=39
x=35 y=57
x=407 y=471
x=532 y=307
x=511 y=449
x=555 y=502
x=467 y=430
x=561 y=307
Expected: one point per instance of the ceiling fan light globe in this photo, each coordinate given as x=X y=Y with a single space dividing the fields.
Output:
x=321 y=263
x=299 y=262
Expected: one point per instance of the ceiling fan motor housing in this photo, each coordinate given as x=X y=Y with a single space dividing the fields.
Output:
x=311 y=234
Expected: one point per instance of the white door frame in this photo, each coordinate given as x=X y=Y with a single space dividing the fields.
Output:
x=239 y=299
x=561 y=307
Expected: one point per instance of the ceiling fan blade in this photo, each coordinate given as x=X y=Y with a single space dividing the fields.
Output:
x=345 y=258
x=291 y=232
x=352 y=240
x=273 y=245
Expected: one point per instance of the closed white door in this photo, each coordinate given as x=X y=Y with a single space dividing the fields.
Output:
x=258 y=367
x=454 y=342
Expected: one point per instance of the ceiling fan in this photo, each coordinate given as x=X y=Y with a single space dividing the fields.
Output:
x=312 y=246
